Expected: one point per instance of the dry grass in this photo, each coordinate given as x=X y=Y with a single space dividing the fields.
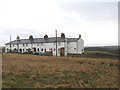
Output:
x=0 y=70
x=54 y=72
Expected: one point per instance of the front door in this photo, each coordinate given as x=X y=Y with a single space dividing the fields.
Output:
x=34 y=49
x=62 y=51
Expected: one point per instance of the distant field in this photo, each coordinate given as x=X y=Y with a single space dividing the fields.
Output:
x=96 y=54
x=109 y=49
x=31 y=71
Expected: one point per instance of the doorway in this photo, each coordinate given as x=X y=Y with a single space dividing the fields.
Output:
x=34 y=49
x=62 y=51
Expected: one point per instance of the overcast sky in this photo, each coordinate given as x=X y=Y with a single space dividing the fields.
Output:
x=96 y=20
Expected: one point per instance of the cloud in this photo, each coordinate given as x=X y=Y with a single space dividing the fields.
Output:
x=93 y=10
x=72 y=17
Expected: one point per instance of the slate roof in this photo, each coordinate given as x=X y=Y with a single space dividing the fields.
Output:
x=42 y=40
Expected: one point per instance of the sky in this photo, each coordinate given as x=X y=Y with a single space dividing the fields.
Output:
x=95 y=20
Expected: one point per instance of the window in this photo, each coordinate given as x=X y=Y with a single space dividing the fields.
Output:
x=74 y=49
x=45 y=50
x=13 y=44
x=32 y=44
x=38 y=44
x=41 y=43
x=26 y=44
x=23 y=44
x=59 y=43
x=23 y=50
x=20 y=50
x=59 y=50
x=50 y=49
x=68 y=42
x=82 y=50
x=42 y=49
x=38 y=49
x=54 y=49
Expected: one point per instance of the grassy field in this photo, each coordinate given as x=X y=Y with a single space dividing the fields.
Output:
x=31 y=71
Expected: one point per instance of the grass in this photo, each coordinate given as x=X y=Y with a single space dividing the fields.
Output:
x=31 y=71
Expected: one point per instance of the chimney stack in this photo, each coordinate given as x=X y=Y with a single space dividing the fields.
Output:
x=79 y=36
x=30 y=37
x=18 y=38
x=46 y=36
x=62 y=35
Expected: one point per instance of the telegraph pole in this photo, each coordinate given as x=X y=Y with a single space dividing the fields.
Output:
x=56 y=43
x=10 y=43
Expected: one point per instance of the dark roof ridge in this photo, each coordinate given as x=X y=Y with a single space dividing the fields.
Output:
x=42 y=40
x=48 y=38
x=39 y=38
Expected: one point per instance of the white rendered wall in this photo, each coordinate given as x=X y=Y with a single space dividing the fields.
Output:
x=43 y=46
x=72 y=47
x=80 y=46
x=76 y=47
x=48 y=46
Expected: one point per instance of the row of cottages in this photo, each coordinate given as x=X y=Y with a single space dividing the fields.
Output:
x=47 y=44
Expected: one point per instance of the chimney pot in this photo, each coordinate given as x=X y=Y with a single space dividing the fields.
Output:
x=79 y=36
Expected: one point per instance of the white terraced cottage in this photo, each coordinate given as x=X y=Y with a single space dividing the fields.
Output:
x=47 y=44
